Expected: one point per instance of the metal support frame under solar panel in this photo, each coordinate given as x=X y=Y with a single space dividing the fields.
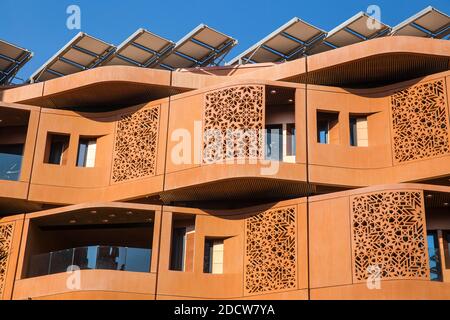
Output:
x=207 y=59
x=8 y=73
x=414 y=26
x=74 y=45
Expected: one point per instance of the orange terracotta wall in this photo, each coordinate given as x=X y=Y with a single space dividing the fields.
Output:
x=400 y=147
x=114 y=175
x=248 y=270
x=10 y=237
x=353 y=231
x=395 y=152
x=19 y=189
x=329 y=254
x=198 y=111
x=94 y=284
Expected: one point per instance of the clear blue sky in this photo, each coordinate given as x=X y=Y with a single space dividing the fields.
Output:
x=40 y=26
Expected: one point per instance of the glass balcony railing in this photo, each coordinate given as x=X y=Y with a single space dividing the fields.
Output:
x=90 y=258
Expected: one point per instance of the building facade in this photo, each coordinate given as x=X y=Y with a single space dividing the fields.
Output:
x=324 y=177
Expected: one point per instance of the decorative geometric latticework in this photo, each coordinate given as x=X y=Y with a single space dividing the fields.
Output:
x=6 y=233
x=420 y=122
x=233 y=123
x=136 y=145
x=271 y=262
x=389 y=235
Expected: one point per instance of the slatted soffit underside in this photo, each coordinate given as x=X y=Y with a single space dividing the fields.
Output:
x=201 y=47
x=429 y=23
x=286 y=42
x=12 y=58
x=81 y=53
x=142 y=49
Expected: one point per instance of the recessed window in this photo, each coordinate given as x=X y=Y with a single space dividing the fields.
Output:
x=359 y=131
x=178 y=249
x=446 y=236
x=182 y=245
x=213 y=258
x=57 y=145
x=274 y=142
x=327 y=127
x=290 y=139
x=86 y=152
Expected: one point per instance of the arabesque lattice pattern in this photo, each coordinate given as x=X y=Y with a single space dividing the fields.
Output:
x=233 y=123
x=271 y=251
x=389 y=234
x=6 y=233
x=136 y=145
x=420 y=122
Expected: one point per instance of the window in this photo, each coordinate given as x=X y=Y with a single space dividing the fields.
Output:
x=178 y=249
x=183 y=242
x=57 y=145
x=358 y=131
x=446 y=236
x=213 y=258
x=290 y=139
x=434 y=257
x=86 y=152
x=10 y=161
x=327 y=128
x=274 y=142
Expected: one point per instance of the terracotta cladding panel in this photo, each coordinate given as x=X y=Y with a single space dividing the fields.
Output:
x=6 y=234
x=136 y=145
x=236 y=113
x=420 y=122
x=271 y=251
x=389 y=232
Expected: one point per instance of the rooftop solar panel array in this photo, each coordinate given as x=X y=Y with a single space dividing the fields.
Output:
x=81 y=53
x=200 y=47
x=430 y=23
x=205 y=46
x=12 y=58
x=141 y=49
x=288 y=40
x=360 y=27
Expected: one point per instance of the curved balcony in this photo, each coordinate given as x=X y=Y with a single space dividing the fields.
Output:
x=90 y=258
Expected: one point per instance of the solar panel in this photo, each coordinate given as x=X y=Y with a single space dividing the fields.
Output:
x=201 y=47
x=429 y=23
x=141 y=49
x=358 y=28
x=81 y=53
x=12 y=58
x=288 y=40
